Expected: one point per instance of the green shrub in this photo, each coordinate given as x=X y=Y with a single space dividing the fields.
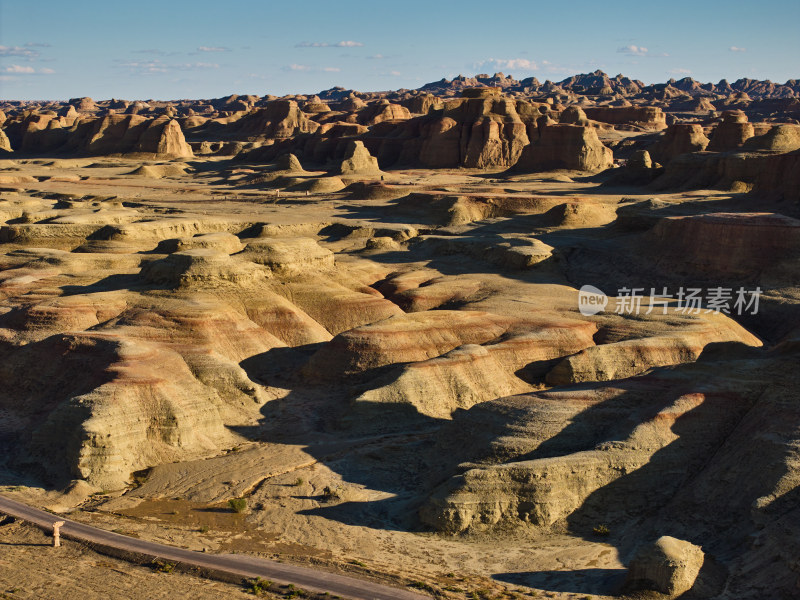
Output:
x=238 y=505
x=163 y=566
x=258 y=586
x=358 y=563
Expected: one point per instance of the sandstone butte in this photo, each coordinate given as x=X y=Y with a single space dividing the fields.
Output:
x=360 y=312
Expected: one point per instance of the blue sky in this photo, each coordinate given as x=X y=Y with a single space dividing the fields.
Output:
x=175 y=49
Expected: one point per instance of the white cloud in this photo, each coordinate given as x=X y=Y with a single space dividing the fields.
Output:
x=19 y=69
x=212 y=49
x=18 y=51
x=680 y=71
x=345 y=44
x=513 y=64
x=395 y=73
x=153 y=66
x=157 y=66
x=376 y=57
x=639 y=51
x=299 y=67
x=635 y=50
x=38 y=45
x=737 y=49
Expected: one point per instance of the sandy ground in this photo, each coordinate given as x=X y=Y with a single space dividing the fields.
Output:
x=290 y=517
x=31 y=568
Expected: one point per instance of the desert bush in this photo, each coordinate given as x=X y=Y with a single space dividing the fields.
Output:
x=238 y=505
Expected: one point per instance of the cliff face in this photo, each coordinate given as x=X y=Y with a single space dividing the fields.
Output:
x=644 y=117
x=679 y=138
x=475 y=132
x=565 y=147
x=159 y=137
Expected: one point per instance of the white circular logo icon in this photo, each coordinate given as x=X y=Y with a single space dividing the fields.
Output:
x=591 y=300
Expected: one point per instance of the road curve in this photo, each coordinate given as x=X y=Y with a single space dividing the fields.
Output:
x=236 y=564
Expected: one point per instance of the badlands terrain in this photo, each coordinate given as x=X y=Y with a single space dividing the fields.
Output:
x=359 y=312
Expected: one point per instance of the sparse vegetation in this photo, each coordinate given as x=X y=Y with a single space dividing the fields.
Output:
x=294 y=592
x=601 y=530
x=421 y=585
x=139 y=477
x=298 y=482
x=238 y=505
x=163 y=566
x=330 y=494
x=204 y=528
x=258 y=586
x=358 y=563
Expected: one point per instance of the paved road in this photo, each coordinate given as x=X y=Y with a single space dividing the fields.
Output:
x=238 y=564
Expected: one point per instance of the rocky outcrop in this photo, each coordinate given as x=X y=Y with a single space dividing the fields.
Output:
x=573 y=115
x=5 y=143
x=358 y=161
x=565 y=147
x=627 y=358
x=159 y=138
x=731 y=133
x=585 y=455
x=781 y=138
x=164 y=140
x=648 y=118
x=679 y=138
x=780 y=177
x=404 y=338
x=382 y=111
x=472 y=373
x=481 y=132
x=725 y=246
x=289 y=256
x=668 y=565
x=771 y=175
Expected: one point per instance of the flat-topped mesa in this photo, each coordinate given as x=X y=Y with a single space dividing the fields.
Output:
x=482 y=92
x=642 y=117
x=731 y=133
